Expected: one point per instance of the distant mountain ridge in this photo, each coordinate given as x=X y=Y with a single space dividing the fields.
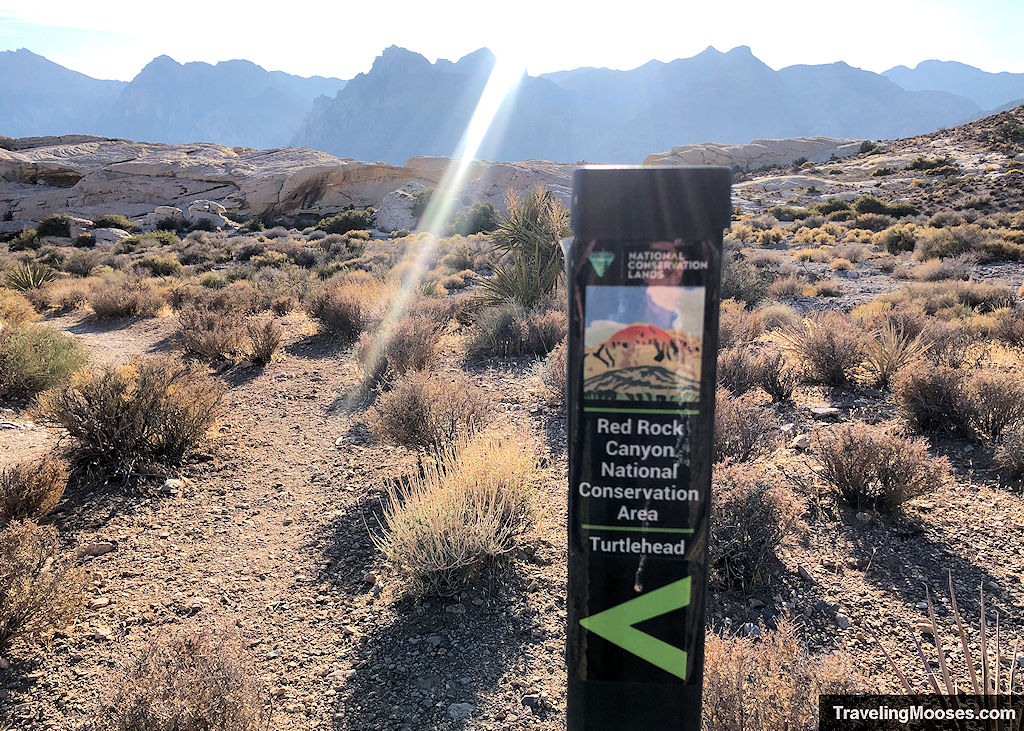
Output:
x=406 y=106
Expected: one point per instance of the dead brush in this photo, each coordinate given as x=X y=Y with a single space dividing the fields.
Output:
x=742 y=426
x=40 y=593
x=345 y=308
x=30 y=490
x=996 y=400
x=129 y=298
x=932 y=398
x=210 y=334
x=770 y=683
x=553 y=374
x=867 y=466
x=828 y=345
x=188 y=680
x=887 y=351
x=263 y=336
x=411 y=344
x=972 y=668
x=470 y=506
x=738 y=369
x=776 y=377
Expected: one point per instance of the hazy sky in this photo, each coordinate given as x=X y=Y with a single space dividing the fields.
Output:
x=115 y=39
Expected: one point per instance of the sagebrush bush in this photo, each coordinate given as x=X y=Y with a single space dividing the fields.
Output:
x=510 y=330
x=751 y=516
x=868 y=466
x=470 y=506
x=1010 y=454
x=128 y=298
x=738 y=369
x=155 y=408
x=347 y=221
x=188 y=680
x=15 y=309
x=115 y=220
x=742 y=426
x=40 y=593
x=553 y=375
x=932 y=398
x=424 y=411
x=829 y=346
x=34 y=358
x=776 y=376
x=345 y=308
x=210 y=334
x=411 y=344
x=995 y=401
x=30 y=490
x=738 y=325
x=263 y=338
x=770 y=683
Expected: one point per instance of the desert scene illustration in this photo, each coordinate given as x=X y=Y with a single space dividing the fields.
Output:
x=648 y=347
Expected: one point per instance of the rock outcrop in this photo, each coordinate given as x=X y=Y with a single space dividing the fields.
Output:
x=396 y=210
x=757 y=154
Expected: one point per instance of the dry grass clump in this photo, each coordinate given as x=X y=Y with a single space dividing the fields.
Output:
x=751 y=516
x=14 y=308
x=32 y=489
x=188 y=680
x=996 y=402
x=345 y=308
x=469 y=507
x=931 y=398
x=61 y=295
x=128 y=298
x=411 y=344
x=867 y=466
x=554 y=373
x=738 y=325
x=39 y=592
x=776 y=376
x=771 y=682
x=425 y=411
x=742 y=426
x=738 y=369
x=829 y=346
x=34 y=358
x=511 y=330
x=155 y=408
x=777 y=316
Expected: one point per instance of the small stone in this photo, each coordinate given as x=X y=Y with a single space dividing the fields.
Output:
x=96 y=548
x=5 y=664
x=755 y=603
x=922 y=605
x=788 y=430
x=824 y=412
x=843 y=622
x=173 y=485
x=864 y=517
x=804 y=573
x=751 y=630
x=99 y=602
x=801 y=441
x=198 y=604
x=460 y=711
x=455 y=609
x=1020 y=660
x=434 y=640
x=102 y=632
x=532 y=700
x=8 y=425
x=370 y=578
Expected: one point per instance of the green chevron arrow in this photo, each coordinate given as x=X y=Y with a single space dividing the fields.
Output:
x=616 y=626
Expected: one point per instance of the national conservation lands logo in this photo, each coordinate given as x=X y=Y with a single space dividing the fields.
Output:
x=600 y=261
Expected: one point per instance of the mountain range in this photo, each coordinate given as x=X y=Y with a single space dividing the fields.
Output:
x=406 y=106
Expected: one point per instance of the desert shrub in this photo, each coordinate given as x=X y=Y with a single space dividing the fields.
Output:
x=23 y=277
x=411 y=344
x=468 y=508
x=899 y=238
x=831 y=205
x=737 y=325
x=944 y=170
x=343 y=309
x=788 y=213
x=934 y=297
x=788 y=286
x=160 y=237
x=1009 y=326
x=481 y=217
x=871 y=204
x=927 y=163
x=776 y=377
x=553 y=374
x=932 y=398
x=162 y=266
x=212 y=280
x=26 y=240
x=882 y=172
x=346 y=221
x=867 y=466
x=210 y=334
x=841 y=265
x=995 y=401
x=155 y=408
x=263 y=337
x=829 y=347
x=39 y=592
x=826 y=288
x=61 y=295
x=742 y=281
x=1010 y=454
x=284 y=304
x=115 y=220
x=34 y=358
x=944 y=242
x=425 y=411
x=751 y=517
x=510 y=330
x=15 y=309
x=85 y=241
x=742 y=426
x=887 y=351
x=527 y=237
x=58 y=224
x=769 y=683
x=872 y=222
x=30 y=490
x=777 y=316
x=127 y=298
x=934 y=270
x=738 y=369
x=187 y=680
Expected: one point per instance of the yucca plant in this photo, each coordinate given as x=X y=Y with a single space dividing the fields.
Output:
x=982 y=673
x=528 y=238
x=24 y=277
x=888 y=351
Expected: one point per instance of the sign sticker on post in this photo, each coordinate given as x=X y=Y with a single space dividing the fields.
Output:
x=644 y=272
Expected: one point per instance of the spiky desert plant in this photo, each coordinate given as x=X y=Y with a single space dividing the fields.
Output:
x=889 y=350
x=24 y=277
x=528 y=237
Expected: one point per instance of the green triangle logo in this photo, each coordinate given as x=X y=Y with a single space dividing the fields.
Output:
x=600 y=261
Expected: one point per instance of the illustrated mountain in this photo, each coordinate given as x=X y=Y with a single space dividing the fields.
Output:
x=642 y=362
x=406 y=106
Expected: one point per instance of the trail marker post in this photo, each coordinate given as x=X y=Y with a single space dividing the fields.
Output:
x=644 y=276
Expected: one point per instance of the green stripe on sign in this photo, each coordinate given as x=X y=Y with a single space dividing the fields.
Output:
x=602 y=409
x=616 y=626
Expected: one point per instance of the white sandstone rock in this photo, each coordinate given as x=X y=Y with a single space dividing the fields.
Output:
x=396 y=210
